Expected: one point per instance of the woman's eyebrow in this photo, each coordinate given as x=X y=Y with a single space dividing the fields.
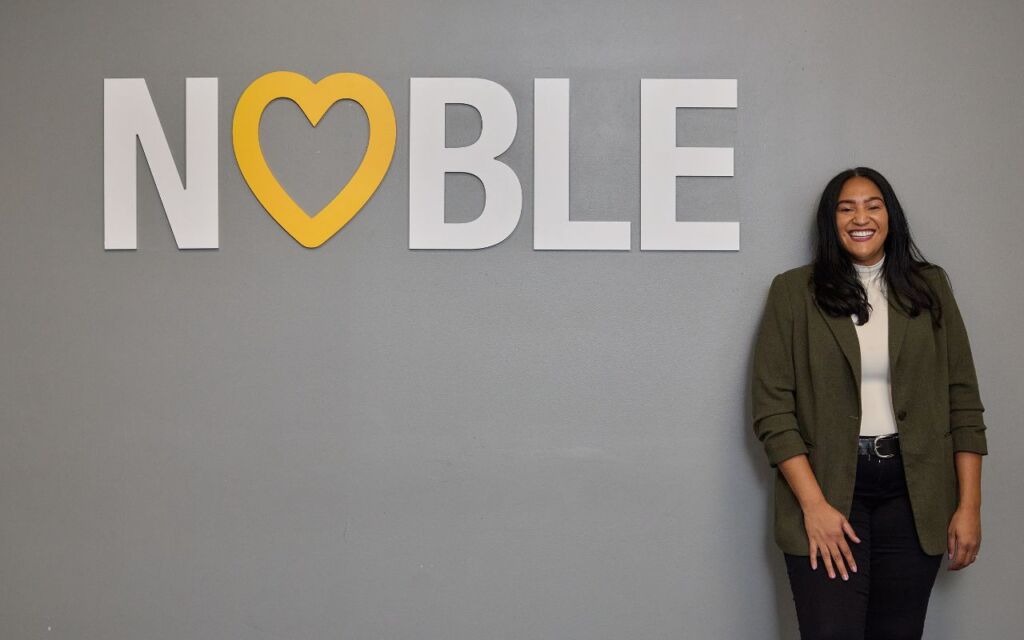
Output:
x=854 y=202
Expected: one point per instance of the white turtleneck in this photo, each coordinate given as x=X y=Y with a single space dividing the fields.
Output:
x=876 y=416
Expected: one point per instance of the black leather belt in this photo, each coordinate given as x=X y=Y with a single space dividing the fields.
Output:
x=885 y=446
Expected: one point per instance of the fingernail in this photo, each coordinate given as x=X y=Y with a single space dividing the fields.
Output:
x=846 y=577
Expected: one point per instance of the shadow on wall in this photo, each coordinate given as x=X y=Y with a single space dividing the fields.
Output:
x=785 y=610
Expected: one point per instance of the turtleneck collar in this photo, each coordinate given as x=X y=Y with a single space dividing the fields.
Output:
x=870 y=273
x=869 y=269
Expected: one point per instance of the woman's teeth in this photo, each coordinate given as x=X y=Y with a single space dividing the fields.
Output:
x=861 y=236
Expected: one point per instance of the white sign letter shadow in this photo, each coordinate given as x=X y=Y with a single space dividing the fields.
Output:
x=661 y=161
x=430 y=160
x=128 y=113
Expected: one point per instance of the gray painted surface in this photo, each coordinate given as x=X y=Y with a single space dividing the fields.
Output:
x=365 y=441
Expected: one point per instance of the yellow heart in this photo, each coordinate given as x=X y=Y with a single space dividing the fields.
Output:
x=314 y=100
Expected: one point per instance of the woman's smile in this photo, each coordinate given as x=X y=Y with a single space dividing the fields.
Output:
x=861 y=236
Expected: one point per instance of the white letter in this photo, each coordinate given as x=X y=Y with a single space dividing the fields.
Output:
x=661 y=161
x=552 y=228
x=128 y=112
x=430 y=160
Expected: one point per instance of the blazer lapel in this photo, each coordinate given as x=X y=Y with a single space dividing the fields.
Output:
x=846 y=335
x=898 y=319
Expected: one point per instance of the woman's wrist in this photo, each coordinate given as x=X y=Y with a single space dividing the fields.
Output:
x=813 y=502
x=969 y=505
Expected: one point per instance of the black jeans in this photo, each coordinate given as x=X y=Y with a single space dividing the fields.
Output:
x=886 y=599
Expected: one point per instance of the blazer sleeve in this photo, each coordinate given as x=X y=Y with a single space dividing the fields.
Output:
x=965 y=407
x=773 y=388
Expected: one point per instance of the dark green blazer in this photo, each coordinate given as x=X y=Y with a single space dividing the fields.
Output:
x=806 y=399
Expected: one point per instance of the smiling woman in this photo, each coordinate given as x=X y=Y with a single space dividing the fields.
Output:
x=861 y=356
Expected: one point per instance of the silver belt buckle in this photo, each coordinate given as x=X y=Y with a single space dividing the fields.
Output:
x=875 y=444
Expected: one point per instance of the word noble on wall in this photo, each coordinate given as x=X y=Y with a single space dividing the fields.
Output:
x=192 y=207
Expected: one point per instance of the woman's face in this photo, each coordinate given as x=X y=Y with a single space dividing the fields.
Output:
x=862 y=220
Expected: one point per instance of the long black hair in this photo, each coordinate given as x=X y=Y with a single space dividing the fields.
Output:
x=838 y=290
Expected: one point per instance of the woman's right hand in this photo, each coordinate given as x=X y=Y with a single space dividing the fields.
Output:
x=827 y=529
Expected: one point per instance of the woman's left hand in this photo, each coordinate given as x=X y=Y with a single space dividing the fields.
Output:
x=963 y=537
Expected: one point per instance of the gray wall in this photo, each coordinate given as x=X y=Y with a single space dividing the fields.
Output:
x=365 y=441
